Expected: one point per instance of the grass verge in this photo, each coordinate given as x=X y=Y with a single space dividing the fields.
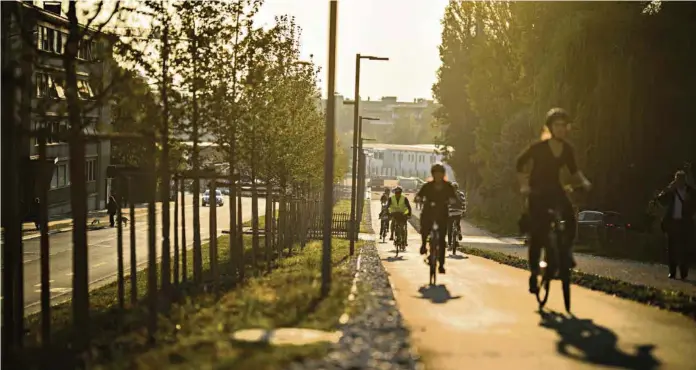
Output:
x=196 y=329
x=666 y=299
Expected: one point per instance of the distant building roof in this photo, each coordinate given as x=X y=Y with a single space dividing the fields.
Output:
x=428 y=148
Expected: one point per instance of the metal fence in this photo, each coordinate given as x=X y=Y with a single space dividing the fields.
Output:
x=298 y=220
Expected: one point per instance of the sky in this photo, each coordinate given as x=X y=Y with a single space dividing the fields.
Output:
x=406 y=31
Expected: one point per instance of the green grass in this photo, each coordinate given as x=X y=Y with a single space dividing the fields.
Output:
x=195 y=330
x=343 y=206
x=197 y=333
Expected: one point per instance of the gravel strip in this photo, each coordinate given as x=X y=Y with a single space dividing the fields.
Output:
x=376 y=337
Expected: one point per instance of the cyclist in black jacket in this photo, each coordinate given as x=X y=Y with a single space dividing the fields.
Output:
x=437 y=196
x=544 y=190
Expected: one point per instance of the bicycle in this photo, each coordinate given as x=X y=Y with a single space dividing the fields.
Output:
x=432 y=258
x=400 y=233
x=384 y=226
x=455 y=231
x=551 y=265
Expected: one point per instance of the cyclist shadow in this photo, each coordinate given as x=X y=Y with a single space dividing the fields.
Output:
x=394 y=259
x=597 y=343
x=436 y=293
x=457 y=257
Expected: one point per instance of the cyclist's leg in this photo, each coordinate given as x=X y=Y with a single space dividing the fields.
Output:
x=450 y=230
x=441 y=253
x=538 y=236
x=393 y=224
x=426 y=227
x=570 y=230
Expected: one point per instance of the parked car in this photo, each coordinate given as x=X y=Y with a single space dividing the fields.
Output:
x=602 y=225
x=218 y=198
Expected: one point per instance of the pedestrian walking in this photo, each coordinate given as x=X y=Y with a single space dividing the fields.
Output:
x=112 y=208
x=679 y=199
x=34 y=213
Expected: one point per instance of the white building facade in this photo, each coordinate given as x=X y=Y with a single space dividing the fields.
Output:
x=391 y=160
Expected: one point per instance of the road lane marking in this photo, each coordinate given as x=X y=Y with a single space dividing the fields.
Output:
x=99 y=264
x=56 y=290
x=39 y=284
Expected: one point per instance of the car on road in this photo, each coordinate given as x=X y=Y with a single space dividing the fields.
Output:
x=218 y=198
x=602 y=225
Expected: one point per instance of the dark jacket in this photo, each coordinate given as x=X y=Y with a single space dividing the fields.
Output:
x=667 y=198
x=112 y=206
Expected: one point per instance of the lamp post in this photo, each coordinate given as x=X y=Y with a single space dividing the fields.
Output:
x=356 y=113
x=361 y=181
x=357 y=202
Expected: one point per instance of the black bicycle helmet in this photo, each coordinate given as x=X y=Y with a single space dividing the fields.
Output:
x=555 y=114
x=437 y=167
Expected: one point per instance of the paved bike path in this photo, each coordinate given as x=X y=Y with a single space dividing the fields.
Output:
x=481 y=316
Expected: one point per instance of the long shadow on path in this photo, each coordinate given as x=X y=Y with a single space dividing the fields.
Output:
x=436 y=293
x=596 y=343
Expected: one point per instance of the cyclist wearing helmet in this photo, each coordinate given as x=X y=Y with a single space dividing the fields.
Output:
x=385 y=196
x=437 y=195
x=544 y=190
x=400 y=209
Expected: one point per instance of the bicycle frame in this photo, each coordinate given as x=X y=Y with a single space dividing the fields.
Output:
x=432 y=258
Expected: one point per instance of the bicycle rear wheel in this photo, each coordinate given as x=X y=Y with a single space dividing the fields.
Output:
x=566 y=293
x=433 y=259
x=542 y=293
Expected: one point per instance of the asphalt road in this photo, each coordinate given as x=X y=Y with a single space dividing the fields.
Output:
x=480 y=316
x=103 y=251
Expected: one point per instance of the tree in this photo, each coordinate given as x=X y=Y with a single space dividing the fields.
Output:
x=505 y=64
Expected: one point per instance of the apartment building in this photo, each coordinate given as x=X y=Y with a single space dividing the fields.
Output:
x=49 y=107
x=390 y=160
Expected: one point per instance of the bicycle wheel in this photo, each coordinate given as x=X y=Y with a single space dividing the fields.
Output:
x=544 y=284
x=566 y=293
x=433 y=259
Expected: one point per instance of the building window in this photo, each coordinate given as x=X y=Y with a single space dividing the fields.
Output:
x=55 y=129
x=51 y=40
x=42 y=85
x=84 y=90
x=91 y=170
x=60 y=177
x=49 y=86
x=84 y=52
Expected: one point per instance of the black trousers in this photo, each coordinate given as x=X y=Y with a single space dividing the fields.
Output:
x=427 y=227
x=111 y=219
x=450 y=227
x=540 y=226
x=679 y=245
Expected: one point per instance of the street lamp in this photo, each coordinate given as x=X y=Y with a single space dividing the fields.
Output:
x=356 y=112
x=360 y=201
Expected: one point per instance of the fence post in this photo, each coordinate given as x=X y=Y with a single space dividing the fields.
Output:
x=212 y=204
x=152 y=244
x=184 y=249
x=176 y=230
x=45 y=266
x=133 y=260
x=119 y=248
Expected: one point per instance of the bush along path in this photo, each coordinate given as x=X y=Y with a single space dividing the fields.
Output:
x=376 y=335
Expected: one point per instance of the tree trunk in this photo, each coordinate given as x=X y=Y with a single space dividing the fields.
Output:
x=78 y=189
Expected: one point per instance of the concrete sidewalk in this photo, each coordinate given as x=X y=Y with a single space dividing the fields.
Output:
x=480 y=316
